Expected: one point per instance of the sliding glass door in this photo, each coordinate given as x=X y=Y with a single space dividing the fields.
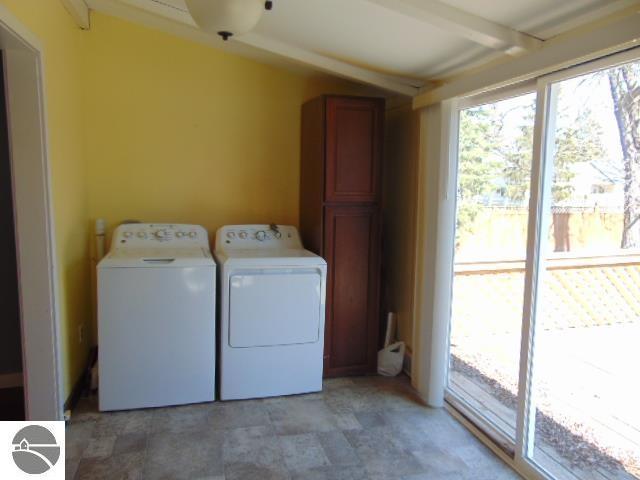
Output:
x=585 y=385
x=494 y=173
x=545 y=316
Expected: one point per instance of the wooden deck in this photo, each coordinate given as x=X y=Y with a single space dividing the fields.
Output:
x=477 y=396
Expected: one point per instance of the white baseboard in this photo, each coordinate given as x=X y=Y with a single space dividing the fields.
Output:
x=11 y=380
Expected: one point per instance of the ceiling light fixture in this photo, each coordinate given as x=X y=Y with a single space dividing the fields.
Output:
x=227 y=17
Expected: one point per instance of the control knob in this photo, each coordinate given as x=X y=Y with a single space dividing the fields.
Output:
x=261 y=235
x=242 y=234
x=192 y=234
x=160 y=234
x=127 y=234
x=142 y=235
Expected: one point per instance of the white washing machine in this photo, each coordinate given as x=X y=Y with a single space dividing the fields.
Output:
x=156 y=317
x=272 y=309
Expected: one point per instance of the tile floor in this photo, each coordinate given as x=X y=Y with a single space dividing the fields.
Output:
x=364 y=428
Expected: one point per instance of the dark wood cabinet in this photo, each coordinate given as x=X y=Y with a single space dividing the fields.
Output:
x=352 y=252
x=353 y=139
x=340 y=220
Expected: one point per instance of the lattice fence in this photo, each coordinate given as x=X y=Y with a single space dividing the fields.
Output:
x=573 y=297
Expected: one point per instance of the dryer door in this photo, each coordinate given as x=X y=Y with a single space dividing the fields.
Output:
x=275 y=306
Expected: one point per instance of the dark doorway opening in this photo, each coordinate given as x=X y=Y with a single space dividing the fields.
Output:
x=11 y=369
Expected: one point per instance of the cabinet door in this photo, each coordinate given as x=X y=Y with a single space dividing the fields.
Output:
x=353 y=141
x=352 y=237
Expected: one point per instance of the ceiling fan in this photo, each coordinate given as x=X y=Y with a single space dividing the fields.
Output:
x=227 y=17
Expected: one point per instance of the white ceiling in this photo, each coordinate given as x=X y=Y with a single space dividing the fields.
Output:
x=362 y=36
x=531 y=16
x=358 y=31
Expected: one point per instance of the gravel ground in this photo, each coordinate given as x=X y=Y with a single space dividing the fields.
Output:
x=576 y=449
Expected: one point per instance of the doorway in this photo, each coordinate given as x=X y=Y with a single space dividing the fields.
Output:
x=11 y=384
x=33 y=220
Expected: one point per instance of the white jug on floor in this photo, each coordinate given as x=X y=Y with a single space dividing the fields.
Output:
x=390 y=359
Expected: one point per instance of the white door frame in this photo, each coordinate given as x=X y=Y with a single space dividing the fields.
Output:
x=35 y=240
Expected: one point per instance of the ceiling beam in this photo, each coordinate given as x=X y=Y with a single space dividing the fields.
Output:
x=585 y=44
x=79 y=11
x=464 y=24
x=178 y=22
x=326 y=64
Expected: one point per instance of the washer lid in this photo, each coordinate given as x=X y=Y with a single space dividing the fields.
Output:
x=157 y=257
x=270 y=257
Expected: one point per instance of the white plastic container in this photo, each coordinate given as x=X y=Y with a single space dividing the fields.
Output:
x=390 y=359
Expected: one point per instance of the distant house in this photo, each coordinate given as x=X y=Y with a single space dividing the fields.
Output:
x=596 y=183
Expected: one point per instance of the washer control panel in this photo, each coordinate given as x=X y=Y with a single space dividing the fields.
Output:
x=136 y=235
x=274 y=236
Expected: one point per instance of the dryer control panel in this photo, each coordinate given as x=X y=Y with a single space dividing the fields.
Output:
x=139 y=235
x=249 y=237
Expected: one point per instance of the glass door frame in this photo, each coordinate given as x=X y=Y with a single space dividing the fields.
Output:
x=546 y=88
x=500 y=438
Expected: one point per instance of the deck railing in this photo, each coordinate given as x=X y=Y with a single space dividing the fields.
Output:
x=578 y=291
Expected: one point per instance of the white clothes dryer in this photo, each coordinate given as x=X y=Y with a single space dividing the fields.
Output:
x=272 y=312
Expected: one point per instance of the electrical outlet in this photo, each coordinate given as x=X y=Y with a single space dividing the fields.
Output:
x=81 y=333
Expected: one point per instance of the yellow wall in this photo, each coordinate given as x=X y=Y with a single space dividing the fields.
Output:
x=181 y=132
x=149 y=126
x=61 y=41
x=400 y=202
